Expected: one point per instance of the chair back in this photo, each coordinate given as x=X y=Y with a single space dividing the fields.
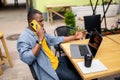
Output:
x=61 y=31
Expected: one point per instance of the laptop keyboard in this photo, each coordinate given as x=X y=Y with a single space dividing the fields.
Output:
x=83 y=50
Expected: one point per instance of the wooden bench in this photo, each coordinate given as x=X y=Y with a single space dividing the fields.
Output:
x=51 y=10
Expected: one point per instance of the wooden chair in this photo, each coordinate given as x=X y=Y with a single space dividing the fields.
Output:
x=4 y=58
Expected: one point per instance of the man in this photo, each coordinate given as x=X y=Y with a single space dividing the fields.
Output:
x=33 y=47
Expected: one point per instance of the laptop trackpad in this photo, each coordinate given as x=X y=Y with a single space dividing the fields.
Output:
x=75 y=53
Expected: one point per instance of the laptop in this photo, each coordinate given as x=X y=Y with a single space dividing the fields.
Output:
x=80 y=50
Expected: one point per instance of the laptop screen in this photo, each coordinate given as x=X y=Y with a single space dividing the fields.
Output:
x=94 y=42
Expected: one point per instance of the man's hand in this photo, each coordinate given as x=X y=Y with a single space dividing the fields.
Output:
x=40 y=33
x=80 y=35
x=84 y=33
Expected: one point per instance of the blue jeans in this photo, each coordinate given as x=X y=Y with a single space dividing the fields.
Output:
x=66 y=70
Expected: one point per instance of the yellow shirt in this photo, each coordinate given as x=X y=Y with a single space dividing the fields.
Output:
x=49 y=53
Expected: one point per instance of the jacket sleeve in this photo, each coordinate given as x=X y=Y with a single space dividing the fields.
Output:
x=25 y=51
x=53 y=40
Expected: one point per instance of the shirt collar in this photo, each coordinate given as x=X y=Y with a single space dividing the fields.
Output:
x=30 y=31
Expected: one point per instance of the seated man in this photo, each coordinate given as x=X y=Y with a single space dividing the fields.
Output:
x=33 y=47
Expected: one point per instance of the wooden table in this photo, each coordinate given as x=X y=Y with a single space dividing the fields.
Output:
x=51 y=10
x=115 y=38
x=108 y=54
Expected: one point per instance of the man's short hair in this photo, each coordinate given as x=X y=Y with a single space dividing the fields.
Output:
x=31 y=13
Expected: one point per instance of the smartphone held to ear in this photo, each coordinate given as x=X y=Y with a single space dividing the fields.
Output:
x=35 y=25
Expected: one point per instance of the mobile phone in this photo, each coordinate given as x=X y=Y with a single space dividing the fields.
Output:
x=35 y=25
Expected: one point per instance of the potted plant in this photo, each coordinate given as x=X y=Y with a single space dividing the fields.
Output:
x=70 y=22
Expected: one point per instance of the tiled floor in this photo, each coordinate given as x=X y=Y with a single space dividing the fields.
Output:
x=13 y=21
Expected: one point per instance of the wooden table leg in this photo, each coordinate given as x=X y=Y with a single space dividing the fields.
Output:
x=51 y=16
x=1 y=60
x=6 y=51
x=1 y=56
x=0 y=70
